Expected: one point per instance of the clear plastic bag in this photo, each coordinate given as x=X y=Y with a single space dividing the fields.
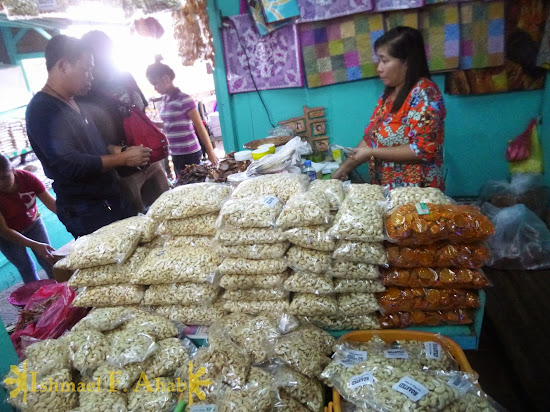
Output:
x=285 y=159
x=87 y=350
x=411 y=195
x=142 y=399
x=178 y=265
x=232 y=236
x=185 y=241
x=356 y=304
x=309 y=283
x=256 y=395
x=104 y=401
x=201 y=225
x=358 y=286
x=255 y=307
x=111 y=295
x=230 y=362
x=129 y=346
x=345 y=322
x=426 y=318
x=307 y=391
x=159 y=327
x=365 y=192
x=332 y=190
x=453 y=223
x=189 y=200
x=304 y=209
x=144 y=224
x=104 y=319
x=314 y=237
x=435 y=278
x=307 y=304
x=438 y=255
x=118 y=378
x=256 y=252
x=359 y=220
x=411 y=299
x=191 y=315
x=253 y=211
x=169 y=356
x=239 y=266
x=353 y=270
x=236 y=282
x=180 y=294
x=47 y=356
x=363 y=252
x=471 y=398
x=286 y=403
x=521 y=240
x=101 y=248
x=256 y=294
x=308 y=260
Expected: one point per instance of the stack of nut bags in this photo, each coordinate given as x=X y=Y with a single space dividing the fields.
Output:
x=359 y=230
x=435 y=260
x=305 y=220
x=106 y=261
x=254 y=267
x=180 y=270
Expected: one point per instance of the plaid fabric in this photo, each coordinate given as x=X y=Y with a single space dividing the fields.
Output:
x=440 y=27
x=340 y=50
x=482 y=34
x=409 y=18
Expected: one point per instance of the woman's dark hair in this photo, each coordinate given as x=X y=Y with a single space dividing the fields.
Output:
x=5 y=164
x=63 y=47
x=99 y=43
x=158 y=69
x=407 y=45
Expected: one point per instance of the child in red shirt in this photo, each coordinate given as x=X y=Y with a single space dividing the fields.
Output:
x=20 y=224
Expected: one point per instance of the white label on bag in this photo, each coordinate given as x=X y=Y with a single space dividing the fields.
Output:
x=366 y=378
x=460 y=383
x=422 y=209
x=396 y=354
x=352 y=357
x=433 y=350
x=203 y=408
x=270 y=201
x=411 y=388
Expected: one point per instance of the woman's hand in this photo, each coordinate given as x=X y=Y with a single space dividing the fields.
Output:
x=361 y=154
x=212 y=157
x=137 y=156
x=44 y=251
x=340 y=174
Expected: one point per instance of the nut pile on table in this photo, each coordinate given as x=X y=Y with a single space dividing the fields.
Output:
x=434 y=265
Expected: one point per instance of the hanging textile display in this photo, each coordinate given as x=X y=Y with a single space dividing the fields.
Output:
x=257 y=13
x=409 y=18
x=543 y=59
x=316 y=10
x=440 y=27
x=192 y=33
x=387 y=5
x=525 y=20
x=260 y=62
x=340 y=50
x=277 y=10
x=482 y=34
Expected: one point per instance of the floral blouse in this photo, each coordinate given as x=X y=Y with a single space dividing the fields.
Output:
x=420 y=123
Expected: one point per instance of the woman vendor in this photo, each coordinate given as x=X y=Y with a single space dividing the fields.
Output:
x=403 y=142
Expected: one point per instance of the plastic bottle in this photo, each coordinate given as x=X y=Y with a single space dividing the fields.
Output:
x=309 y=170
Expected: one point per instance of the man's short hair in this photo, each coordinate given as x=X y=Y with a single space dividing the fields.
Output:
x=64 y=47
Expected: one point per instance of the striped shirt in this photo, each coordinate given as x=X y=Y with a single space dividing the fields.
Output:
x=179 y=127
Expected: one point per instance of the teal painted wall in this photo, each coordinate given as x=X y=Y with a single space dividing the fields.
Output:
x=477 y=127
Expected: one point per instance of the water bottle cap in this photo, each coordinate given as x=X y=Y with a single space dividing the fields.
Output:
x=307 y=163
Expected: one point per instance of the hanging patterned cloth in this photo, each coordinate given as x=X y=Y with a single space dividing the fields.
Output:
x=278 y=10
x=316 y=10
x=387 y=5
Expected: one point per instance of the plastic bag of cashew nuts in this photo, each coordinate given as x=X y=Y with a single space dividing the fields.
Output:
x=110 y=274
x=344 y=322
x=275 y=293
x=363 y=252
x=332 y=190
x=119 y=378
x=104 y=401
x=305 y=282
x=247 y=282
x=281 y=185
x=365 y=192
x=256 y=252
x=304 y=209
x=157 y=326
x=308 y=304
x=355 y=304
x=405 y=195
x=144 y=224
x=308 y=260
x=87 y=350
x=47 y=356
x=358 y=286
x=177 y=242
x=201 y=225
x=101 y=248
x=130 y=346
x=360 y=221
x=191 y=315
x=255 y=307
x=189 y=200
x=37 y=400
x=159 y=396
x=256 y=395
x=307 y=391
x=353 y=270
x=240 y=266
x=104 y=319
x=312 y=237
x=110 y=295
x=169 y=356
x=180 y=294
x=234 y=236
x=255 y=211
